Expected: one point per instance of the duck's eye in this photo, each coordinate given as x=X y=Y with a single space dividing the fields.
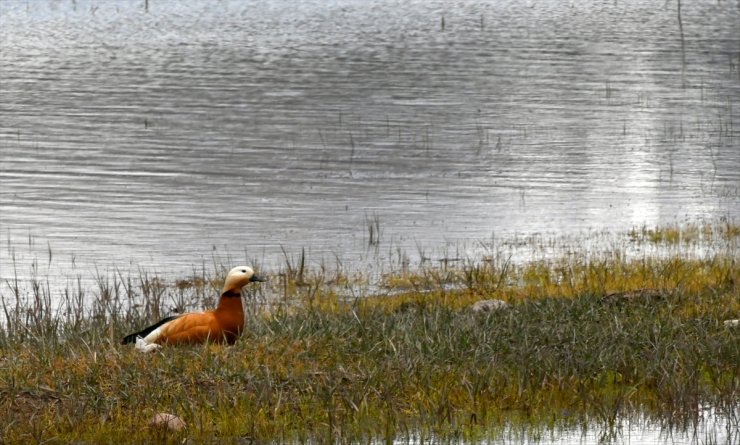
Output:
x=244 y=271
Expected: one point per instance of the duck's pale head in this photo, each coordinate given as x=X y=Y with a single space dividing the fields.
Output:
x=239 y=277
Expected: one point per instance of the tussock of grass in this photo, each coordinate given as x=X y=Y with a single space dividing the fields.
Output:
x=686 y=233
x=419 y=363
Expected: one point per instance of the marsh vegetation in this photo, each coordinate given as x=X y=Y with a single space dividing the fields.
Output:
x=585 y=342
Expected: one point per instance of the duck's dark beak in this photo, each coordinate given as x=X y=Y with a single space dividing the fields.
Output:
x=257 y=278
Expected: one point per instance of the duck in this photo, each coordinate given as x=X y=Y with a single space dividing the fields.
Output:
x=224 y=324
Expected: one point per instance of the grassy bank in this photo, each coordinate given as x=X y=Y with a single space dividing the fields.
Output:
x=585 y=341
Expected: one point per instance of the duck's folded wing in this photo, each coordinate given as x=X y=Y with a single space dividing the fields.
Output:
x=189 y=328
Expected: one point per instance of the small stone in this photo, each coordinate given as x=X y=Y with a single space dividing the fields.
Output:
x=489 y=305
x=167 y=421
x=731 y=323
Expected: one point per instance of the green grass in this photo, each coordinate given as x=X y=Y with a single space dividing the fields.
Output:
x=574 y=350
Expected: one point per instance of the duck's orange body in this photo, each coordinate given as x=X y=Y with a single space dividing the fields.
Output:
x=223 y=324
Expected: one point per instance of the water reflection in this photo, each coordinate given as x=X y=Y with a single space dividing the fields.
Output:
x=152 y=137
x=709 y=429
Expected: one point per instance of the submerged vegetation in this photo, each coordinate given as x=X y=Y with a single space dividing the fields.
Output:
x=586 y=340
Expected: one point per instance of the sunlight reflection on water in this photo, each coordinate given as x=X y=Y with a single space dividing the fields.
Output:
x=135 y=138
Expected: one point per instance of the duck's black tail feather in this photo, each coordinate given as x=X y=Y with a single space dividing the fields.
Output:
x=131 y=338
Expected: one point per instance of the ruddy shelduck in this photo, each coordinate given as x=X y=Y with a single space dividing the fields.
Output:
x=223 y=324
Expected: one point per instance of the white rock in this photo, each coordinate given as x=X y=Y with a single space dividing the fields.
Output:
x=489 y=305
x=731 y=323
x=167 y=421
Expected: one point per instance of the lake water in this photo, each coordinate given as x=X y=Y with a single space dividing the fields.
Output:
x=135 y=135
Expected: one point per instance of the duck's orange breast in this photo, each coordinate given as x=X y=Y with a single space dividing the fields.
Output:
x=229 y=316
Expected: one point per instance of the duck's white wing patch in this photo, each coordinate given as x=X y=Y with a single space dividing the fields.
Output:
x=143 y=346
x=149 y=343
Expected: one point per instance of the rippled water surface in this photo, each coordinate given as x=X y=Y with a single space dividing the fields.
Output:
x=135 y=137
